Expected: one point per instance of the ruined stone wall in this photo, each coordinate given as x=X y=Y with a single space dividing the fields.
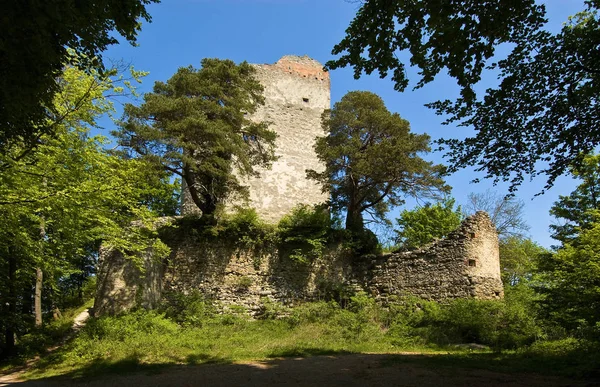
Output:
x=464 y=265
x=297 y=92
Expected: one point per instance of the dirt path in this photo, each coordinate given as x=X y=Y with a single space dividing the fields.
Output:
x=345 y=371
x=16 y=376
x=80 y=320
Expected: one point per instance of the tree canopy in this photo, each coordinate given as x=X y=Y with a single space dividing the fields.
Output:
x=424 y=224
x=570 y=281
x=34 y=47
x=59 y=201
x=518 y=259
x=197 y=126
x=544 y=113
x=372 y=159
x=575 y=212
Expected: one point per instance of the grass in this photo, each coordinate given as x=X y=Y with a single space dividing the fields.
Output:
x=192 y=332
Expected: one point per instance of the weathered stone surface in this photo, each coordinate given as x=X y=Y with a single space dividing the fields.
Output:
x=464 y=265
x=297 y=92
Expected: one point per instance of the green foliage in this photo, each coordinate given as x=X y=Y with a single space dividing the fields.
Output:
x=424 y=224
x=575 y=211
x=498 y=324
x=541 y=117
x=304 y=232
x=241 y=228
x=362 y=244
x=59 y=201
x=244 y=283
x=371 y=159
x=313 y=312
x=458 y=37
x=197 y=126
x=37 y=40
x=271 y=310
x=518 y=259
x=570 y=278
x=190 y=332
x=191 y=310
x=246 y=227
x=570 y=281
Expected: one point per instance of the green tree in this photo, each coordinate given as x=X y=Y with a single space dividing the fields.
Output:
x=575 y=212
x=570 y=281
x=371 y=158
x=505 y=212
x=518 y=259
x=34 y=46
x=544 y=113
x=196 y=126
x=67 y=195
x=424 y=224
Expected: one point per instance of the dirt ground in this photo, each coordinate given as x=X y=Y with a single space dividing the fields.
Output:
x=345 y=370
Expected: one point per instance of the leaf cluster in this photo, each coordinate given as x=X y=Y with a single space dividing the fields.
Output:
x=544 y=114
x=305 y=232
x=459 y=36
x=422 y=225
x=197 y=126
x=371 y=159
x=540 y=119
x=576 y=212
x=34 y=47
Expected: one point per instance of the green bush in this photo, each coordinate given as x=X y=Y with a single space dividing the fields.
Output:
x=243 y=283
x=191 y=310
x=304 y=232
x=363 y=243
x=243 y=227
x=128 y=326
x=500 y=324
x=313 y=312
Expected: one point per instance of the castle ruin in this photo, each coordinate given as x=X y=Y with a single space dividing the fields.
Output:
x=297 y=92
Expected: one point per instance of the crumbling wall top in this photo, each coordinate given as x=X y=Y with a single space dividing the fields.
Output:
x=303 y=66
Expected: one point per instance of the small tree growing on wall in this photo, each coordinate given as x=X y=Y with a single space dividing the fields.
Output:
x=196 y=126
x=371 y=159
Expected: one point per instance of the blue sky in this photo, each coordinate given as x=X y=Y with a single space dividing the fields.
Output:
x=183 y=32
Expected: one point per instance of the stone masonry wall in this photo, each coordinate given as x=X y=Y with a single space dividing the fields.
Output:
x=297 y=92
x=464 y=265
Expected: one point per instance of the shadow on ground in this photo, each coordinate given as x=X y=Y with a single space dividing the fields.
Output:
x=339 y=369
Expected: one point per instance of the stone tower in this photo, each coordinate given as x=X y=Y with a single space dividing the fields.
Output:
x=297 y=92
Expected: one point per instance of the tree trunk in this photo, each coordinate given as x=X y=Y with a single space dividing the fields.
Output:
x=39 y=276
x=354 y=219
x=9 y=332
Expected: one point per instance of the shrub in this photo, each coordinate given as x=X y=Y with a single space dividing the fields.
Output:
x=120 y=328
x=304 y=232
x=363 y=243
x=313 y=312
x=191 y=310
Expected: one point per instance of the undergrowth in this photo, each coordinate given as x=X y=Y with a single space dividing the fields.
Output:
x=302 y=236
x=190 y=330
